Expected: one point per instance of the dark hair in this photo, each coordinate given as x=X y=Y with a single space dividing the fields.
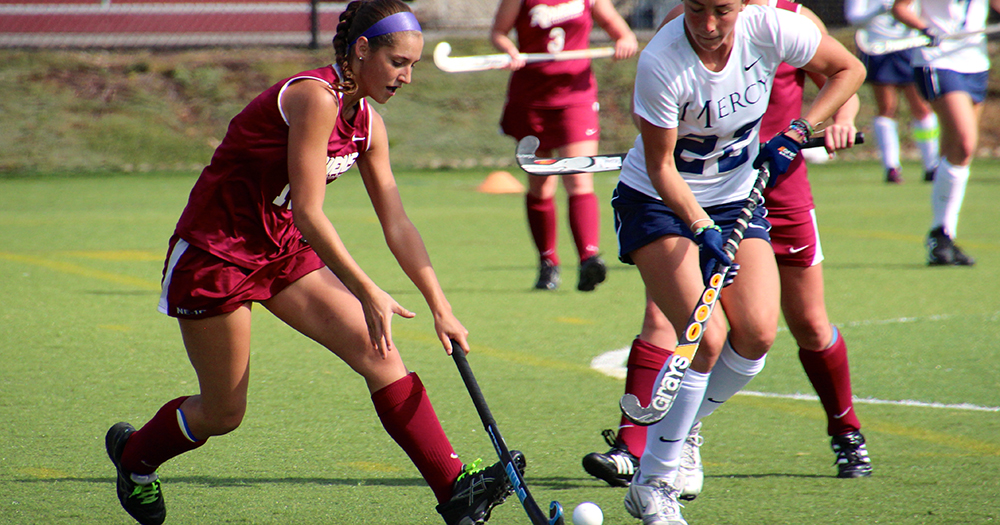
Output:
x=356 y=18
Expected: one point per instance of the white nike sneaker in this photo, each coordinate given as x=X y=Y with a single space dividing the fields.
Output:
x=691 y=475
x=654 y=503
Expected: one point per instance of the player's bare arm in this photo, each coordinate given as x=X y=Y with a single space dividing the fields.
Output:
x=615 y=26
x=503 y=24
x=402 y=237
x=311 y=109
x=659 y=146
x=844 y=75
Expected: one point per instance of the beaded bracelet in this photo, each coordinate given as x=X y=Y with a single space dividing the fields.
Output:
x=802 y=127
x=709 y=219
x=709 y=227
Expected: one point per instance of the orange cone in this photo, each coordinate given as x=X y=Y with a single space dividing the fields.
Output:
x=501 y=182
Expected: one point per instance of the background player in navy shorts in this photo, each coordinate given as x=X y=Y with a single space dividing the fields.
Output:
x=952 y=74
x=240 y=240
x=557 y=102
x=888 y=75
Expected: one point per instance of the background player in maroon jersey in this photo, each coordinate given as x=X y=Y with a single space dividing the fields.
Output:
x=240 y=240
x=557 y=102
x=795 y=239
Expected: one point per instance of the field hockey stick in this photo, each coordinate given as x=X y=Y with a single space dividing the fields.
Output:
x=533 y=165
x=513 y=474
x=869 y=46
x=666 y=391
x=466 y=64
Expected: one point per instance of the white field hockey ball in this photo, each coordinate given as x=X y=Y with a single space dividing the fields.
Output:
x=587 y=513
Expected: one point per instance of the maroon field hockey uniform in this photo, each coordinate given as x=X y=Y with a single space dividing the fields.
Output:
x=554 y=101
x=236 y=240
x=789 y=204
x=795 y=241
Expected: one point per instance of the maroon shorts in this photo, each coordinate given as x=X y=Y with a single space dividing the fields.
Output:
x=199 y=285
x=553 y=127
x=795 y=238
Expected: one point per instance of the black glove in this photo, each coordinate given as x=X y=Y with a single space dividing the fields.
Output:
x=710 y=250
x=778 y=153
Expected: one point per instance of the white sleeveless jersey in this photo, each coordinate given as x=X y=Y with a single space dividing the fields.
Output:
x=964 y=55
x=716 y=114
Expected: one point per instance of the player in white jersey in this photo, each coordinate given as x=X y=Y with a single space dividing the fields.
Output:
x=889 y=75
x=952 y=74
x=702 y=86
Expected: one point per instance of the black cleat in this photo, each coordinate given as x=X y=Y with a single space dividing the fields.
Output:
x=852 y=455
x=144 y=502
x=548 y=276
x=929 y=175
x=616 y=467
x=941 y=250
x=592 y=273
x=477 y=491
x=894 y=176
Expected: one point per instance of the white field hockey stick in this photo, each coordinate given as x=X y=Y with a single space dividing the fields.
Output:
x=877 y=47
x=533 y=165
x=450 y=64
x=513 y=474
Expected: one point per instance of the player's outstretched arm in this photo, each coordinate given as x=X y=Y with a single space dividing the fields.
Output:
x=402 y=237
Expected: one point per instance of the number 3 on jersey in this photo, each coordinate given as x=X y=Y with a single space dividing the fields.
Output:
x=557 y=40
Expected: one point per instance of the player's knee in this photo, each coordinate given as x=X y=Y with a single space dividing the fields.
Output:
x=223 y=420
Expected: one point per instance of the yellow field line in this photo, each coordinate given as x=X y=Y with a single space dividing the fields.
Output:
x=82 y=271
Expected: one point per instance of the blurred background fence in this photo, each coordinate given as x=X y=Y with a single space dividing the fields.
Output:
x=178 y=23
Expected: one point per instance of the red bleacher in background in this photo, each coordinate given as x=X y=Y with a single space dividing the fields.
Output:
x=116 y=23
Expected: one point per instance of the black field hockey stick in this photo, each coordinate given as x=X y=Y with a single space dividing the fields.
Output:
x=687 y=345
x=533 y=165
x=513 y=474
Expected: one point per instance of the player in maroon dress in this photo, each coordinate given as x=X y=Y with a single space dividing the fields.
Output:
x=254 y=230
x=795 y=239
x=557 y=102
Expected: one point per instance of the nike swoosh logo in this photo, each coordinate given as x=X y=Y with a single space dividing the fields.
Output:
x=356 y=138
x=797 y=250
x=747 y=68
x=668 y=440
x=714 y=401
x=838 y=416
x=454 y=455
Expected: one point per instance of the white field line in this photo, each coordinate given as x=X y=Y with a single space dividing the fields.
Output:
x=613 y=364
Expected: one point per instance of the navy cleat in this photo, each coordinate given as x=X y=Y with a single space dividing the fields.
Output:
x=852 y=455
x=478 y=491
x=142 y=500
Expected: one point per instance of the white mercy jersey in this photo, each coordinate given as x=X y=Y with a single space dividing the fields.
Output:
x=716 y=114
x=964 y=55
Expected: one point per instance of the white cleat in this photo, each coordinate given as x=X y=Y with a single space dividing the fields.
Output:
x=691 y=475
x=655 y=503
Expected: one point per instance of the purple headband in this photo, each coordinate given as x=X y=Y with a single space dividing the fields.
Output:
x=402 y=21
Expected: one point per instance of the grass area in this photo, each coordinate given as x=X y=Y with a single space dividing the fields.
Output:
x=83 y=348
x=142 y=110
